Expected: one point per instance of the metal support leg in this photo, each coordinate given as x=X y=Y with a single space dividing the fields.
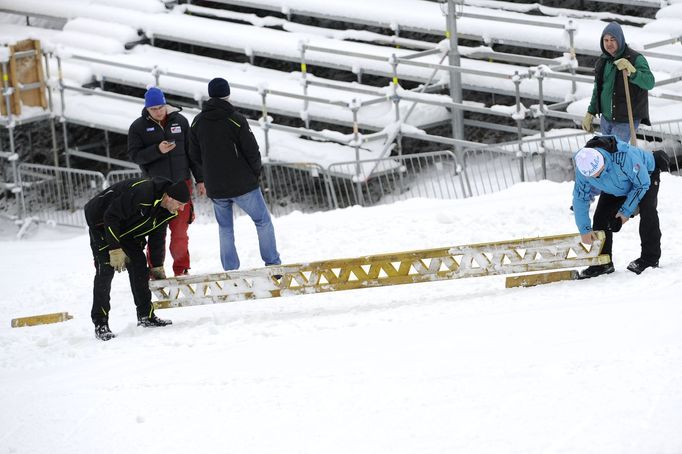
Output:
x=355 y=106
x=519 y=125
x=455 y=77
x=541 y=116
x=304 y=80
x=265 y=121
x=570 y=28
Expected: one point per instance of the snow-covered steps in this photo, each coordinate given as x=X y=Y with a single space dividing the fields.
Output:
x=87 y=110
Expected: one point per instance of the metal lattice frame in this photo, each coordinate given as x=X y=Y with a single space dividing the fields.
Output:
x=486 y=259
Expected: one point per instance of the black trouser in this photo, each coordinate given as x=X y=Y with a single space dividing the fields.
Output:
x=649 y=230
x=138 y=274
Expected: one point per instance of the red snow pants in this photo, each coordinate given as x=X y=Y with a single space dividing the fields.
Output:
x=179 y=240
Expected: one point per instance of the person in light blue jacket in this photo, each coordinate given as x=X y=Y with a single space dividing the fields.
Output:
x=628 y=178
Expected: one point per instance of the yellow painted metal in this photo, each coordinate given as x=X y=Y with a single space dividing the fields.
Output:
x=531 y=280
x=485 y=259
x=43 y=319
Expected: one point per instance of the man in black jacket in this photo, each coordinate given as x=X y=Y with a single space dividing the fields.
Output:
x=120 y=218
x=158 y=141
x=222 y=141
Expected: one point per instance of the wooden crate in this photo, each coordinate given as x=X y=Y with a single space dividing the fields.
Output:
x=24 y=70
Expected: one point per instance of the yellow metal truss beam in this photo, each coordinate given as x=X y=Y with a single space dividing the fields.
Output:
x=43 y=319
x=484 y=259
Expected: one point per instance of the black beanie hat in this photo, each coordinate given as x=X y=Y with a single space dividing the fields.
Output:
x=178 y=191
x=218 y=88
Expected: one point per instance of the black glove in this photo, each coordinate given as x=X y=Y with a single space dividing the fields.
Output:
x=662 y=161
x=615 y=224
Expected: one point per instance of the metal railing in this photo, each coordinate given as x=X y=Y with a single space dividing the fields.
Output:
x=398 y=96
x=58 y=195
x=666 y=136
x=55 y=194
x=429 y=175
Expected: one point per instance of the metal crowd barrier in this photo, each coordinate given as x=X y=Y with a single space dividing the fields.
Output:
x=55 y=194
x=666 y=136
x=429 y=175
x=296 y=187
x=494 y=169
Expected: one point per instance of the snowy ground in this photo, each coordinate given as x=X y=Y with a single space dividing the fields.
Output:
x=463 y=366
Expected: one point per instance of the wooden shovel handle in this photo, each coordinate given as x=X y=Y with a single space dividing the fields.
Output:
x=633 y=135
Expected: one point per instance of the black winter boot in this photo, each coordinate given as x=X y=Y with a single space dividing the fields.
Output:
x=102 y=332
x=152 y=321
x=639 y=265
x=596 y=270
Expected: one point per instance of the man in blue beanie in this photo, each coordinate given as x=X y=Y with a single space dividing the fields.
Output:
x=222 y=141
x=608 y=94
x=158 y=141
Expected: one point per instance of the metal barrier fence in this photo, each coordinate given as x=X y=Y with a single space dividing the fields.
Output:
x=296 y=187
x=431 y=175
x=55 y=194
x=666 y=136
x=493 y=170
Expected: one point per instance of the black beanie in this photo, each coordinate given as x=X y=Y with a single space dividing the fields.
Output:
x=218 y=88
x=178 y=191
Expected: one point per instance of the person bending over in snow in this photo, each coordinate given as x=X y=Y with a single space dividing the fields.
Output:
x=120 y=219
x=628 y=178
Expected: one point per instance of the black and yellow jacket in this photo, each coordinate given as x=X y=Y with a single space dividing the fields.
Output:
x=131 y=210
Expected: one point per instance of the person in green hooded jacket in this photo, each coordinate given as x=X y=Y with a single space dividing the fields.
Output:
x=608 y=95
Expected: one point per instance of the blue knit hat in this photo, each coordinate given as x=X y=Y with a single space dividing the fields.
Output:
x=218 y=88
x=154 y=97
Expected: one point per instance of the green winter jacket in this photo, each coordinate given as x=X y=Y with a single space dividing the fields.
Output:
x=608 y=96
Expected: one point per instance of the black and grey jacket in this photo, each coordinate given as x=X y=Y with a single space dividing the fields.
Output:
x=144 y=136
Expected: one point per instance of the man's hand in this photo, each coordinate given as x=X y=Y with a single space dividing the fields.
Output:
x=166 y=146
x=624 y=64
x=587 y=122
x=588 y=237
x=157 y=273
x=201 y=189
x=118 y=259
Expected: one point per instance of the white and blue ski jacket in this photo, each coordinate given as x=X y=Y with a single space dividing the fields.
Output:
x=626 y=173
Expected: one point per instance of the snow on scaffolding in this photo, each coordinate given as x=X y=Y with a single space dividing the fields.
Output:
x=285 y=147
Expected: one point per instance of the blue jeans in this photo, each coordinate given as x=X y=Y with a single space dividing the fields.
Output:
x=253 y=204
x=620 y=130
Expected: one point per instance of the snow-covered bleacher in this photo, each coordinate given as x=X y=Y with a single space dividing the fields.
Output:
x=114 y=43
x=260 y=40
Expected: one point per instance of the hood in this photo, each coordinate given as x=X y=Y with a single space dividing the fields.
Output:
x=217 y=109
x=616 y=31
